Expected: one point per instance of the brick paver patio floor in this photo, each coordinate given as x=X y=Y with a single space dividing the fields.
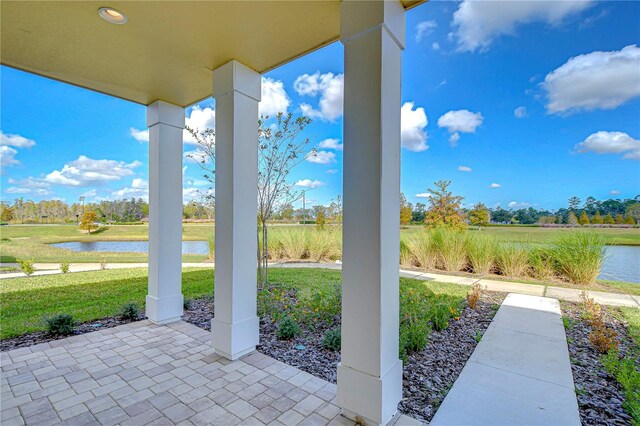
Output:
x=141 y=373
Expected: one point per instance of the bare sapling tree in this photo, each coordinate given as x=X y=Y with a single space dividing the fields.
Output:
x=205 y=158
x=280 y=149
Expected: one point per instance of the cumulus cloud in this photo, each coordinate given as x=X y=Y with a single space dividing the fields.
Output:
x=425 y=28
x=330 y=89
x=332 y=171
x=87 y=171
x=435 y=45
x=274 y=97
x=15 y=140
x=603 y=142
x=322 y=157
x=7 y=156
x=139 y=135
x=597 y=80
x=424 y=195
x=460 y=121
x=139 y=188
x=477 y=24
x=518 y=205
x=199 y=119
x=331 y=143
x=520 y=112
x=464 y=169
x=30 y=185
x=495 y=185
x=308 y=183
x=412 y=124
x=614 y=192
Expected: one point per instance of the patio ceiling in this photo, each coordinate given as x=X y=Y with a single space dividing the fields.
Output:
x=167 y=49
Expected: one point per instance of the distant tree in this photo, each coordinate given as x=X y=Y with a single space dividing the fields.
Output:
x=574 y=203
x=634 y=211
x=286 y=212
x=573 y=219
x=88 y=221
x=6 y=215
x=406 y=210
x=629 y=220
x=321 y=219
x=584 y=218
x=619 y=219
x=444 y=208
x=547 y=219
x=335 y=210
x=597 y=219
x=479 y=215
x=500 y=215
x=591 y=205
x=608 y=219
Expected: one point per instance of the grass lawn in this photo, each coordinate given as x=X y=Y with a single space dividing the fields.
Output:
x=25 y=302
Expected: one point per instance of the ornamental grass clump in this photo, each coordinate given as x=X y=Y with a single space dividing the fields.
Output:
x=541 y=264
x=450 y=246
x=420 y=250
x=323 y=244
x=513 y=259
x=578 y=256
x=293 y=243
x=481 y=251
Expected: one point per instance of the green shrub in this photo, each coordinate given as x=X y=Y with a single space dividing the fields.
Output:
x=578 y=256
x=414 y=335
x=27 y=266
x=60 y=325
x=64 y=266
x=481 y=251
x=186 y=304
x=626 y=373
x=332 y=340
x=320 y=305
x=450 y=245
x=513 y=259
x=288 y=328
x=440 y=314
x=130 y=311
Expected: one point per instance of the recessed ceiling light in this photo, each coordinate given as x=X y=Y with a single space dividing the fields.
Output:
x=111 y=15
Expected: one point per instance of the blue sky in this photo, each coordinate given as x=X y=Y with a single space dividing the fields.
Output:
x=517 y=103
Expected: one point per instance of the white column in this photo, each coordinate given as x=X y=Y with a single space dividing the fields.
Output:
x=165 y=301
x=234 y=328
x=370 y=374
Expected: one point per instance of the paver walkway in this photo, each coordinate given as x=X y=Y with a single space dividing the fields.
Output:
x=519 y=373
x=604 y=298
x=141 y=373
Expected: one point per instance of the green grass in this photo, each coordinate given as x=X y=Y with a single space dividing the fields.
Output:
x=632 y=316
x=26 y=302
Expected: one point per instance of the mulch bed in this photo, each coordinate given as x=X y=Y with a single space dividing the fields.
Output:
x=43 y=337
x=599 y=395
x=428 y=375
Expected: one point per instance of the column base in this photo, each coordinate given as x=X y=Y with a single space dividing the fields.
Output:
x=367 y=399
x=164 y=310
x=235 y=340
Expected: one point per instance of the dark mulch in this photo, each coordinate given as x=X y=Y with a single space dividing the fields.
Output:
x=43 y=337
x=428 y=375
x=599 y=395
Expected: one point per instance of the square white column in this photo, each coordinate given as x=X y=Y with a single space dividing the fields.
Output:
x=370 y=373
x=235 y=325
x=164 y=302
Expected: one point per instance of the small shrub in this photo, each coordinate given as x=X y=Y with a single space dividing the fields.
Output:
x=288 y=328
x=27 y=266
x=130 y=311
x=626 y=373
x=332 y=340
x=474 y=295
x=64 y=266
x=591 y=311
x=186 y=304
x=440 y=315
x=603 y=338
x=60 y=325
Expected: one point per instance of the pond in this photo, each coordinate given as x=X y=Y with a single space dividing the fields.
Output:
x=621 y=264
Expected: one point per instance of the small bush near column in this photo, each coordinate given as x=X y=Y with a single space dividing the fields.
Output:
x=130 y=311
x=288 y=328
x=27 y=266
x=332 y=340
x=60 y=325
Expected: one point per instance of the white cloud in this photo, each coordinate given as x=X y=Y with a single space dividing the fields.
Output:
x=518 y=205
x=90 y=193
x=139 y=135
x=18 y=190
x=7 y=156
x=87 y=171
x=15 y=140
x=614 y=192
x=330 y=89
x=331 y=143
x=412 y=124
x=424 y=195
x=199 y=119
x=322 y=157
x=274 y=97
x=520 y=112
x=308 y=183
x=332 y=171
x=425 y=28
x=495 y=185
x=139 y=189
x=611 y=143
x=597 y=80
x=460 y=121
x=435 y=45
x=464 y=169
x=478 y=23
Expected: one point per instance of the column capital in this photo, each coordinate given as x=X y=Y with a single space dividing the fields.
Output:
x=233 y=76
x=161 y=112
x=359 y=17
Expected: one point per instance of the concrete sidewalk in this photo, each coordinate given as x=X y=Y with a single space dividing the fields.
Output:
x=519 y=373
x=573 y=295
